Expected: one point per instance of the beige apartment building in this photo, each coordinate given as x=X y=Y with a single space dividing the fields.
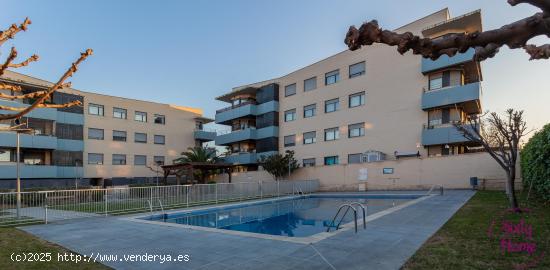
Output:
x=109 y=138
x=372 y=108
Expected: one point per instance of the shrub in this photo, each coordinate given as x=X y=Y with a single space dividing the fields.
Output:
x=535 y=163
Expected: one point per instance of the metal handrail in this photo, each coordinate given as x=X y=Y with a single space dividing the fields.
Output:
x=364 y=213
x=347 y=206
x=432 y=188
x=161 y=208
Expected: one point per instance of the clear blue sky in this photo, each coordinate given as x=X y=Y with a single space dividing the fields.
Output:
x=188 y=52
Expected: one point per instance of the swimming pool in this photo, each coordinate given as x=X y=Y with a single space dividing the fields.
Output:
x=291 y=217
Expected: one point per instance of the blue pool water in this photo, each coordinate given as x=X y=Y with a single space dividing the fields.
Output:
x=298 y=217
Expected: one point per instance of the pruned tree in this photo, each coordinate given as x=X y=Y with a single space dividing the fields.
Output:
x=40 y=96
x=500 y=136
x=486 y=43
x=279 y=165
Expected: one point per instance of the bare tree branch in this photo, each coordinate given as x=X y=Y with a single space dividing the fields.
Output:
x=514 y=35
x=14 y=29
x=33 y=58
x=29 y=95
x=56 y=106
x=7 y=86
x=11 y=57
x=58 y=85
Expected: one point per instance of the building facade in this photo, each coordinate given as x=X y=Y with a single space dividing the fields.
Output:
x=374 y=104
x=109 y=138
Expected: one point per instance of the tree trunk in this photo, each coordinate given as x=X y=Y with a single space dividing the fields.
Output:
x=511 y=178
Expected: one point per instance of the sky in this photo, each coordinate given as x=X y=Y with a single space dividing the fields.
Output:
x=189 y=52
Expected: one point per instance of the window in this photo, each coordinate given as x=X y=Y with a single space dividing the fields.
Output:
x=308 y=162
x=290 y=115
x=332 y=134
x=332 y=160
x=332 y=77
x=119 y=159
x=159 y=139
x=6 y=155
x=95 y=109
x=357 y=99
x=310 y=137
x=69 y=131
x=94 y=158
x=290 y=140
x=140 y=116
x=140 y=137
x=332 y=105
x=159 y=119
x=309 y=110
x=310 y=84
x=95 y=134
x=159 y=160
x=440 y=80
x=356 y=130
x=119 y=135
x=290 y=90
x=357 y=69
x=354 y=158
x=140 y=160
x=119 y=113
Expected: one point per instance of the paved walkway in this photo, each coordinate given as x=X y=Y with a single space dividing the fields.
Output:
x=386 y=244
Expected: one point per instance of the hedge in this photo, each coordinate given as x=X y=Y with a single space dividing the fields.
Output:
x=535 y=163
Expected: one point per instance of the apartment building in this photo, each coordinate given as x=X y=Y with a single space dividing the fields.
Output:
x=114 y=138
x=372 y=104
x=254 y=120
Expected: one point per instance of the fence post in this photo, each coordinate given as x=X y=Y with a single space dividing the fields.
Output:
x=46 y=208
x=216 y=192
x=278 y=188
x=105 y=199
x=261 y=190
x=187 y=196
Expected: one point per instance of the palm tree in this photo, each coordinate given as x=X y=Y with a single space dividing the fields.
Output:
x=198 y=154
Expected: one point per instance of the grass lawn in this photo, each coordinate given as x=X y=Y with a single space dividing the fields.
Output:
x=15 y=241
x=464 y=242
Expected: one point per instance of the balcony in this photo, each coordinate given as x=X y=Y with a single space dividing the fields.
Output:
x=247 y=134
x=39 y=113
x=246 y=157
x=468 y=94
x=28 y=141
x=204 y=136
x=9 y=171
x=246 y=109
x=442 y=134
x=443 y=61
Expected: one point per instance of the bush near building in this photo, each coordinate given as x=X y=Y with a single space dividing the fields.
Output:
x=535 y=163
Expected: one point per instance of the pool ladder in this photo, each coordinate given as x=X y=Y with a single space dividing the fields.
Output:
x=349 y=206
x=161 y=208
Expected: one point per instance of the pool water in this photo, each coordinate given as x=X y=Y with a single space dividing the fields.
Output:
x=299 y=217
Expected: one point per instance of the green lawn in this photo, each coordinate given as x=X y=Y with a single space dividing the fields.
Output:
x=464 y=241
x=14 y=241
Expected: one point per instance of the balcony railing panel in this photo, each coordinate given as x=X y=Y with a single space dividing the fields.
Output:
x=451 y=95
x=443 y=61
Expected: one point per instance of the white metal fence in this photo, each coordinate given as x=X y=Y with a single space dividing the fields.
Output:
x=54 y=205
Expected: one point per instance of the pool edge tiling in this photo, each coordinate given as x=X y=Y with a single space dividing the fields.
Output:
x=414 y=198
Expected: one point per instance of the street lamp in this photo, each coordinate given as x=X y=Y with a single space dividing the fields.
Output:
x=18 y=157
x=76 y=161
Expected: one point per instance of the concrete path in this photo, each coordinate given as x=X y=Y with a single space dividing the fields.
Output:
x=386 y=244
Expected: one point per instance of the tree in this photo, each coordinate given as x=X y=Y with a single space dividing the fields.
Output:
x=535 y=163
x=279 y=165
x=500 y=137
x=197 y=154
x=487 y=43
x=40 y=96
